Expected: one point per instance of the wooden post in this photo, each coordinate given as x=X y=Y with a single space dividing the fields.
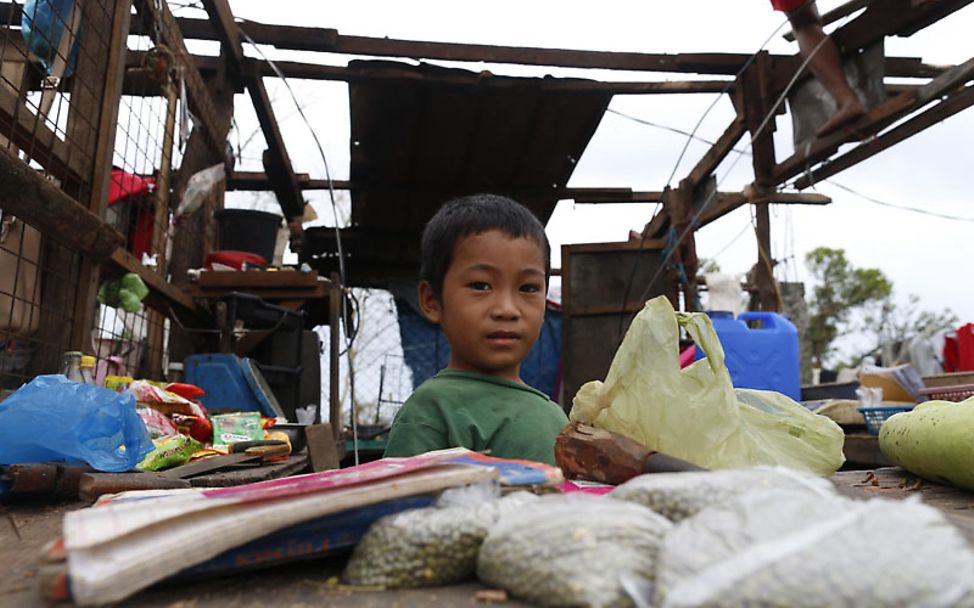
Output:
x=113 y=17
x=679 y=206
x=160 y=228
x=759 y=95
x=334 y=319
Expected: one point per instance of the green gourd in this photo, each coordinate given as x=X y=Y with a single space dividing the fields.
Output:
x=935 y=440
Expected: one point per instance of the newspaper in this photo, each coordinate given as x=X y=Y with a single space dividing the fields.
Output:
x=121 y=547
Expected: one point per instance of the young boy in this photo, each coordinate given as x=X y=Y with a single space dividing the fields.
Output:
x=483 y=280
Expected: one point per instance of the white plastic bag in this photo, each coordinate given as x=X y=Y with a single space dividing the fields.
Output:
x=572 y=550
x=694 y=413
x=199 y=187
x=677 y=496
x=785 y=548
x=434 y=545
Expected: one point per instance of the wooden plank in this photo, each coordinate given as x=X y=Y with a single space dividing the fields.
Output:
x=895 y=483
x=37 y=201
x=221 y=19
x=335 y=299
x=863 y=449
x=719 y=151
x=170 y=295
x=835 y=14
x=200 y=102
x=277 y=163
x=27 y=131
x=258 y=279
x=938 y=113
x=875 y=120
x=106 y=75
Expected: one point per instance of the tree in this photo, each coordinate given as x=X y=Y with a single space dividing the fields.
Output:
x=895 y=325
x=841 y=289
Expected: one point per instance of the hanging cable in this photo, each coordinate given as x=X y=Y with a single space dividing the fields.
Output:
x=338 y=236
x=676 y=166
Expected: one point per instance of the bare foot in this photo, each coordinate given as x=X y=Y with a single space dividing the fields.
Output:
x=843 y=116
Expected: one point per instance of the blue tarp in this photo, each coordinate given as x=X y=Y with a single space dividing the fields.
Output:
x=426 y=350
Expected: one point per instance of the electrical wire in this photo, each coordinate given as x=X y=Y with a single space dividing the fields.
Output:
x=676 y=166
x=876 y=201
x=757 y=132
x=338 y=237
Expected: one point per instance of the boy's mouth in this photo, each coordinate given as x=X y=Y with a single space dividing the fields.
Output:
x=503 y=337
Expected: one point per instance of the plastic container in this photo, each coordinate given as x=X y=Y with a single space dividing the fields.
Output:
x=876 y=416
x=232 y=384
x=71 y=366
x=765 y=357
x=88 y=369
x=248 y=230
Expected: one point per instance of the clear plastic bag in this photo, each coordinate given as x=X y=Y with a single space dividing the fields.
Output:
x=52 y=418
x=430 y=546
x=677 y=496
x=785 y=548
x=694 y=413
x=573 y=550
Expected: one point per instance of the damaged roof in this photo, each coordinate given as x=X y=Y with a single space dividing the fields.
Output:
x=421 y=134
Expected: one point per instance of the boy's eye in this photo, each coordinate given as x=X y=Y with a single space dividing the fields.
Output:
x=531 y=288
x=479 y=285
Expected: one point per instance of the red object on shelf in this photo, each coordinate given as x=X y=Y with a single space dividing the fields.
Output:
x=188 y=391
x=125 y=185
x=233 y=259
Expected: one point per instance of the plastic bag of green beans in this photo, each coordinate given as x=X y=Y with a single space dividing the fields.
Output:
x=679 y=495
x=786 y=548
x=431 y=546
x=573 y=550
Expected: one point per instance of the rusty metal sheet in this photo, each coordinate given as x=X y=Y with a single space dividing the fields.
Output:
x=416 y=142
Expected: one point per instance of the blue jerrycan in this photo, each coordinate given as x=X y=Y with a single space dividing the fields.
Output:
x=762 y=357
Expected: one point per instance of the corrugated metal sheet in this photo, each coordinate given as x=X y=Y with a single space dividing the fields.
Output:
x=438 y=133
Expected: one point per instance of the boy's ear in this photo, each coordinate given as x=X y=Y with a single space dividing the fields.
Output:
x=429 y=303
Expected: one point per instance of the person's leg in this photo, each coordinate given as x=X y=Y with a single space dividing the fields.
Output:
x=826 y=65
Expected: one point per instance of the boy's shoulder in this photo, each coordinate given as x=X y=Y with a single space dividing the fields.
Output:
x=458 y=382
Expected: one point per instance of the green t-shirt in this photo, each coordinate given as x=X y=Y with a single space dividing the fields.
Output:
x=464 y=409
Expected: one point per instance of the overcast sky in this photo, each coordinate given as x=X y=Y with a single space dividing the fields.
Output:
x=924 y=255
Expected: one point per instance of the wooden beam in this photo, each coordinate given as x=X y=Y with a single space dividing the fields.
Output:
x=277 y=163
x=223 y=24
x=37 y=201
x=595 y=196
x=835 y=14
x=103 y=71
x=27 y=131
x=200 y=102
x=938 y=113
x=875 y=120
x=167 y=293
x=723 y=203
x=719 y=151
x=315 y=71
x=793 y=198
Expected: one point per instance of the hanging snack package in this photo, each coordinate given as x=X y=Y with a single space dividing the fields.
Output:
x=434 y=545
x=574 y=550
x=694 y=413
x=237 y=427
x=679 y=495
x=170 y=452
x=786 y=548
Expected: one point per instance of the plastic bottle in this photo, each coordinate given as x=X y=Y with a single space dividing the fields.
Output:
x=71 y=366
x=88 y=369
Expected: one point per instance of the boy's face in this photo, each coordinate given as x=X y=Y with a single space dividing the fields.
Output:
x=493 y=303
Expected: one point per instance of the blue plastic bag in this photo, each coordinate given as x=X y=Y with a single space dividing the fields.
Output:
x=52 y=418
x=42 y=23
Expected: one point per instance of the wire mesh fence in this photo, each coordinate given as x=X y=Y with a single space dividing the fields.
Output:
x=112 y=154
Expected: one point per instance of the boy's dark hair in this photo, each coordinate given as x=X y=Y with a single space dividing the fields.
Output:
x=470 y=215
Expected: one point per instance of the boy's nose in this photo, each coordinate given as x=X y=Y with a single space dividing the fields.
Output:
x=505 y=307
